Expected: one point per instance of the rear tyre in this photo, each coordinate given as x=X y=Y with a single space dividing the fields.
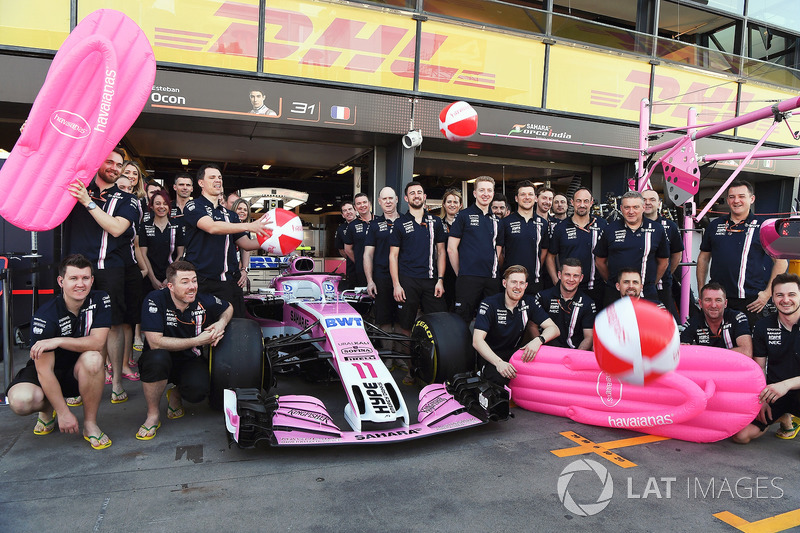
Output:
x=237 y=361
x=443 y=347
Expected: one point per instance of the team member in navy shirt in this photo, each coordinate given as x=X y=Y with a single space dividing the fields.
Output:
x=417 y=259
x=577 y=237
x=349 y=215
x=161 y=241
x=505 y=321
x=67 y=334
x=633 y=241
x=718 y=326
x=100 y=228
x=376 y=260
x=473 y=250
x=177 y=322
x=776 y=347
x=524 y=237
x=355 y=235
x=732 y=244
x=559 y=208
x=571 y=310
x=652 y=208
x=212 y=235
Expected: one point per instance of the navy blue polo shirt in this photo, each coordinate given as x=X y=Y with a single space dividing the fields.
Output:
x=734 y=325
x=523 y=241
x=675 y=246
x=350 y=267
x=417 y=243
x=214 y=256
x=378 y=234
x=477 y=253
x=160 y=315
x=573 y=240
x=738 y=262
x=780 y=346
x=635 y=249
x=53 y=319
x=356 y=234
x=552 y=222
x=504 y=328
x=162 y=246
x=82 y=235
x=571 y=316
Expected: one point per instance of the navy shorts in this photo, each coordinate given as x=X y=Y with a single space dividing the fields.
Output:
x=64 y=375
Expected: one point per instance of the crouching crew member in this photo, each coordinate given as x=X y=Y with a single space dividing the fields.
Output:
x=177 y=322
x=67 y=334
x=571 y=310
x=507 y=320
x=718 y=325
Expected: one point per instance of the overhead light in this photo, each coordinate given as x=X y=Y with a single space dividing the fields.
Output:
x=538 y=183
x=472 y=180
x=414 y=175
x=344 y=169
x=473 y=155
x=3 y=154
x=185 y=162
x=265 y=167
x=317 y=209
x=328 y=205
x=292 y=203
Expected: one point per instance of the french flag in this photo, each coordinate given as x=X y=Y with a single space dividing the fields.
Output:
x=340 y=112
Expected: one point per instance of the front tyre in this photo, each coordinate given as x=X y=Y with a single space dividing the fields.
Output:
x=442 y=347
x=237 y=361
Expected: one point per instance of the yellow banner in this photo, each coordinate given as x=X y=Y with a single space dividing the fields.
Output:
x=209 y=33
x=755 y=97
x=479 y=64
x=34 y=23
x=594 y=83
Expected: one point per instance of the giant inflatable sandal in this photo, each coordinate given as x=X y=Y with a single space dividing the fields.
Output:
x=96 y=87
x=711 y=395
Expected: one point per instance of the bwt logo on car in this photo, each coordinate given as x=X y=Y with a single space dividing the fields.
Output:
x=348 y=321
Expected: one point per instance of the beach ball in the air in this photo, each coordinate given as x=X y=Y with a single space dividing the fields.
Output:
x=636 y=341
x=286 y=232
x=458 y=121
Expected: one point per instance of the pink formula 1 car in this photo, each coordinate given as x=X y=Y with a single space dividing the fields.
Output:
x=305 y=325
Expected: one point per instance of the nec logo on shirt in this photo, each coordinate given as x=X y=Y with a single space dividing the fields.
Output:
x=619 y=235
x=474 y=220
x=408 y=227
x=516 y=227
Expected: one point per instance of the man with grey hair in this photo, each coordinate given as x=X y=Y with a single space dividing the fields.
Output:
x=376 y=260
x=635 y=242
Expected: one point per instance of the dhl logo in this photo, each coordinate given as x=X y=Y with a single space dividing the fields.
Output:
x=342 y=43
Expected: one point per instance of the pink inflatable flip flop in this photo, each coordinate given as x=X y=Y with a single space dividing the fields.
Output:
x=710 y=396
x=96 y=87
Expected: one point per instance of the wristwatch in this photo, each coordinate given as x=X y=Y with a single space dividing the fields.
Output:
x=91 y=205
x=542 y=339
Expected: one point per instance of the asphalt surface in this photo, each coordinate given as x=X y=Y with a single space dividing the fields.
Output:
x=498 y=477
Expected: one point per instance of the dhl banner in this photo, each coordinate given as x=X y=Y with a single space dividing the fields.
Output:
x=34 y=23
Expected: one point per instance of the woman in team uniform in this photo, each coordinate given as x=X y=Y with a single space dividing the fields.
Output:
x=161 y=241
x=451 y=205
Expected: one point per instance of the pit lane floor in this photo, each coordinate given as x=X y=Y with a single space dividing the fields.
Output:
x=498 y=477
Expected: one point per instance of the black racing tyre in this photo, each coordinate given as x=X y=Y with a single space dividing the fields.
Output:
x=237 y=361
x=442 y=347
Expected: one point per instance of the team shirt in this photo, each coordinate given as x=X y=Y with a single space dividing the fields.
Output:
x=636 y=249
x=162 y=246
x=523 y=241
x=738 y=261
x=780 y=346
x=350 y=267
x=82 y=235
x=504 y=327
x=378 y=235
x=571 y=316
x=160 y=315
x=214 y=256
x=734 y=324
x=675 y=246
x=573 y=240
x=417 y=242
x=477 y=252
x=356 y=234
x=53 y=319
x=552 y=222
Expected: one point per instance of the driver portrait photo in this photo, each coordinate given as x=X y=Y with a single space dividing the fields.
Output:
x=257 y=98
